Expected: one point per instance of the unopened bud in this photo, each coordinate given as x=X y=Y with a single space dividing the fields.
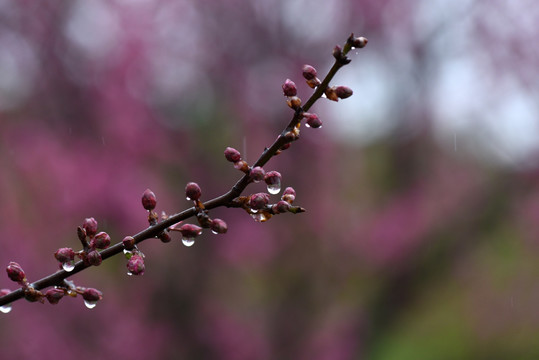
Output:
x=313 y=82
x=54 y=295
x=331 y=93
x=289 y=195
x=192 y=191
x=218 y=226
x=16 y=273
x=189 y=230
x=257 y=174
x=101 y=241
x=294 y=102
x=309 y=72
x=281 y=207
x=312 y=120
x=149 y=201
x=129 y=242
x=289 y=88
x=359 y=42
x=94 y=258
x=90 y=226
x=165 y=237
x=64 y=255
x=258 y=201
x=91 y=294
x=232 y=154
x=135 y=265
x=343 y=92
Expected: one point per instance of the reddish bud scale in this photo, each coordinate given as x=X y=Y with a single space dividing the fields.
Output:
x=135 y=265
x=33 y=295
x=289 y=195
x=91 y=294
x=331 y=94
x=289 y=88
x=242 y=166
x=90 y=226
x=149 y=201
x=272 y=177
x=294 y=102
x=101 y=241
x=192 y=191
x=258 y=201
x=165 y=237
x=64 y=255
x=190 y=230
x=232 y=155
x=54 y=295
x=218 y=226
x=16 y=273
x=280 y=207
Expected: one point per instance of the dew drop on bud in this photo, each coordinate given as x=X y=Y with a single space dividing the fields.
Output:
x=90 y=304
x=5 y=308
x=126 y=252
x=274 y=188
x=129 y=273
x=260 y=217
x=214 y=232
x=68 y=266
x=188 y=241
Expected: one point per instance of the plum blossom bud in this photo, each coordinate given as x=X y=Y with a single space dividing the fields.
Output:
x=257 y=174
x=289 y=195
x=232 y=154
x=33 y=295
x=281 y=207
x=64 y=255
x=135 y=265
x=258 y=201
x=273 y=180
x=94 y=258
x=218 y=226
x=337 y=52
x=90 y=226
x=101 y=240
x=91 y=294
x=149 y=201
x=189 y=231
x=15 y=272
x=129 y=242
x=54 y=295
x=165 y=237
x=294 y=102
x=289 y=88
x=309 y=72
x=359 y=42
x=331 y=94
x=312 y=120
x=343 y=92
x=192 y=191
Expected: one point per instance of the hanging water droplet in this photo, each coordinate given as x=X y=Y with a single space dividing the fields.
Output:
x=127 y=252
x=129 y=273
x=274 y=188
x=253 y=211
x=5 y=308
x=90 y=304
x=188 y=241
x=260 y=217
x=214 y=232
x=68 y=266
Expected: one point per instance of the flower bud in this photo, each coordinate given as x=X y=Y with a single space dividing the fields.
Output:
x=149 y=200
x=218 y=226
x=313 y=82
x=281 y=207
x=331 y=93
x=294 y=102
x=257 y=174
x=343 y=92
x=192 y=191
x=309 y=72
x=359 y=42
x=312 y=120
x=165 y=237
x=91 y=294
x=94 y=258
x=135 y=265
x=289 y=195
x=101 y=240
x=90 y=226
x=273 y=178
x=337 y=52
x=189 y=230
x=33 y=295
x=16 y=273
x=242 y=166
x=258 y=201
x=64 y=255
x=289 y=88
x=54 y=295
x=129 y=242
x=232 y=154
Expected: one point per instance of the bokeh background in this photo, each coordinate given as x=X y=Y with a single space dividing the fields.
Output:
x=422 y=190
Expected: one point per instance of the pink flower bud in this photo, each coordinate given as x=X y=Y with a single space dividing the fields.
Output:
x=289 y=195
x=16 y=273
x=359 y=42
x=90 y=226
x=190 y=231
x=258 y=201
x=64 y=255
x=54 y=295
x=273 y=178
x=149 y=201
x=281 y=207
x=289 y=88
x=135 y=265
x=312 y=120
x=129 y=242
x=101 y=241
x=232 y=154
x=309 y=72
x=218 y=226
x=91 y=294
x=257 y=174
x=192 y=191
x=165 y=237
x=343 y=92
x=94 y=258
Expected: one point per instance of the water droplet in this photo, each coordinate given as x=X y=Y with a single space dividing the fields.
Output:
x=68 y=266
x=129 y=273
x=274 y=188
x=215 y=232
x=188 y=241
x=90 y=304
x=127 y=252
x=260 y=217
x=5 y=308
x=253 y=211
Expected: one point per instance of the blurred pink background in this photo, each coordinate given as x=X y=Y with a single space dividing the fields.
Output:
x=422 y=190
